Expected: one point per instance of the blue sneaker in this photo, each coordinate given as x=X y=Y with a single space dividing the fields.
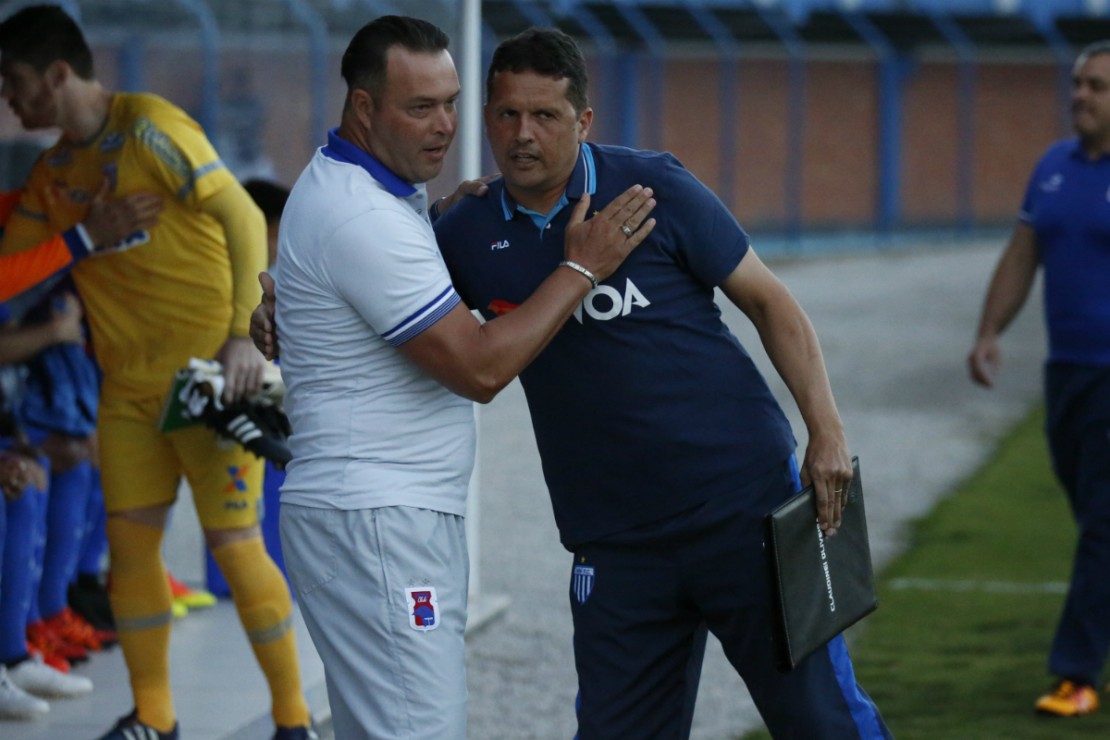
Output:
x=130 y=728
x=295 y=733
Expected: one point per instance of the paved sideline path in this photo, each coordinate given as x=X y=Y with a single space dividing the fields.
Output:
x=895 y=329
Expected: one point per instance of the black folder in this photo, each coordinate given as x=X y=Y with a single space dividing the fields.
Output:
x=820 y=585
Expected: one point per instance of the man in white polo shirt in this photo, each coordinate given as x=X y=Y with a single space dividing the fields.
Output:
x=381 y=361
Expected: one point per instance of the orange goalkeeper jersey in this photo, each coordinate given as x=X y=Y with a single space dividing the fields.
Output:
x=18 y=272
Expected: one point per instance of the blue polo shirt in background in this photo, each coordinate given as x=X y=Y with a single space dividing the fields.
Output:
x=1067 y=203
x=645 y=404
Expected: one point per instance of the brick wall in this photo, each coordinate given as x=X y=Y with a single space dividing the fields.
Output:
x=1017 y=113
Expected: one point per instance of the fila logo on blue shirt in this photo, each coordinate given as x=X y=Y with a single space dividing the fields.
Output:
x=499 y=244
x=606 y=302
x=1052 y=184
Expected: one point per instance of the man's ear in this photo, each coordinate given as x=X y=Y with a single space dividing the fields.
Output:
x=57 y=72
x=362 y=104
x=585 y=120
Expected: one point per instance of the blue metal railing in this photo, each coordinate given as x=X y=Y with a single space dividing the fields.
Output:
x=728 y=76
x=892 y=74
x=965 y=133
x=209 y=32
x=317 y=31
x=656 y=64
x=795 y=49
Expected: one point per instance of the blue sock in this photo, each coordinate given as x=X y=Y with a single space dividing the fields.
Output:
x=65 y=525
x=18 y=567
x=95 y=543
x=3 y=533
x=38 y=500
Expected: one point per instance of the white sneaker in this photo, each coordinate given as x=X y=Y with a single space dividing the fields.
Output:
x=15 y=703
x=35 y=677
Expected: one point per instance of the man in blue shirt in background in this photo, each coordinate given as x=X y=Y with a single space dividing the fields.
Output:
x=1064 y=226
x=662 y=446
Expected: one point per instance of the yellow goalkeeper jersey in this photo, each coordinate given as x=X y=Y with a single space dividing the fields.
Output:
x=169 y=297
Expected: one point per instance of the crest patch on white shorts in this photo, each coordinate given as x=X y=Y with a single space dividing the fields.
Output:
x=423 y=608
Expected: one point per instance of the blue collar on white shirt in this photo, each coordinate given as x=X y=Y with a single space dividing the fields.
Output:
x=342 y=150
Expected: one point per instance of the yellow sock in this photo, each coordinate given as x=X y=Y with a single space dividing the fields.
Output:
x=265 y=609
x=142 y=605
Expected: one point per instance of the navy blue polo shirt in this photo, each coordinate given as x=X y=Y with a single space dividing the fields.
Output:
x=644 y=404
x=1067 y=203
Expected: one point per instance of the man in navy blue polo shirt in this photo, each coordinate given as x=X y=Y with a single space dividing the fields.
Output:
x=1064 y=226
x=661 y=444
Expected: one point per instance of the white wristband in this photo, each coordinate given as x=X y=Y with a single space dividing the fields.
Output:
x=579 y=268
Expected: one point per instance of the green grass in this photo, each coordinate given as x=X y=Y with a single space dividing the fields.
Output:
x=947 y=663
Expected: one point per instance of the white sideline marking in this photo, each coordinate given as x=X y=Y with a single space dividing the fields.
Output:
x=994 y=587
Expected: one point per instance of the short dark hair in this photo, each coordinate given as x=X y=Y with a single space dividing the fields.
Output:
x=268 y=196
x=545 y=51
x=40 y=35
x=364 y=61
x=1098 y=48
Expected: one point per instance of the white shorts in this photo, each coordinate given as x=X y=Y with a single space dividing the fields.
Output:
x=383 y=593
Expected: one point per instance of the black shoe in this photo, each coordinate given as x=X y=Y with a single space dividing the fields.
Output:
x=130 y=728
x=89 y=598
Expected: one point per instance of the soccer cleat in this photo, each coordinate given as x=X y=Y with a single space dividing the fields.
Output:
x=40 y=679
x=295 y=733
x=72 y=628
x=257 y=423
x=190 y=598
x=180 y=611
x=89 y=598
x=49 y=643
x=130 y=728
x=1068 y=699
x=15 y=703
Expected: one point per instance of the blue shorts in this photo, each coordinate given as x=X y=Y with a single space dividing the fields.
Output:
x=639 y=598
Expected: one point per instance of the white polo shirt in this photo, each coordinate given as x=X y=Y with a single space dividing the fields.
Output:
x=359 y=275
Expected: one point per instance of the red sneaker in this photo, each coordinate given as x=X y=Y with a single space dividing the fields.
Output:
x=71 y=627
x=48 y=642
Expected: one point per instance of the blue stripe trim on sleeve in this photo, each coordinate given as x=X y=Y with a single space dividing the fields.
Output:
x=208 y=168
x=430 y=313
x=198 y=173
